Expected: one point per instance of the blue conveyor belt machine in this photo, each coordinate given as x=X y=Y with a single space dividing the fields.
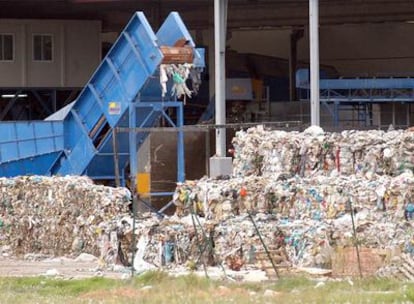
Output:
x=356 y=92
x=374 y=90
x=78 y=139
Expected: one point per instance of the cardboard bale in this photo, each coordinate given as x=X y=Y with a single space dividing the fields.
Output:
x=345 y=261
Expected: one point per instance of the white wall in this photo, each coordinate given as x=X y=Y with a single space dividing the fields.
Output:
x=76 y=53
x=12 y=72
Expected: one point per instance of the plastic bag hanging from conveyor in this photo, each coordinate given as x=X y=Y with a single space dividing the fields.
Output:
x=179 y=74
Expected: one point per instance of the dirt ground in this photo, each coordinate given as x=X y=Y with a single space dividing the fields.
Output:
x=65 y=268
x=57 y=267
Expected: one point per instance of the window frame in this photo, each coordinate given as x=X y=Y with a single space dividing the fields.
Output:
x=41 y=51
x=13 y=48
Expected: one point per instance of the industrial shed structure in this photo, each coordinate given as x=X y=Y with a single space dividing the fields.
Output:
x=266 y=39
x=366 y=58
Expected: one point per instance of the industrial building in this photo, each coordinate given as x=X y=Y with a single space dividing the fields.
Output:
x=50 y=50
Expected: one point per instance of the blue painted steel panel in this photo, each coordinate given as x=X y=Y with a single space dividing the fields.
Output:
x=172 y=30
x=135 y=56
x=133 y=59
x=199 y=58
x=95 y=168
x=302 y=82
x=37 y=165
x=357 y=92
x=21 y=140
x=367 y=83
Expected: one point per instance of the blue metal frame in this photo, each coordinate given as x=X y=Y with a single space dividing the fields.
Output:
x=358 y=93
x=159 y=109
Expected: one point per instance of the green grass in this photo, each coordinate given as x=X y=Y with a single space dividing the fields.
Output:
x=293 y=283
x=46 y=290
x=159 y=287
x=44 y=286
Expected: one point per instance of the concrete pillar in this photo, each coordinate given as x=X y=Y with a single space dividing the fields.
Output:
x=220 y=164
x=314 y=61
x=220 y=26
x=211 y=65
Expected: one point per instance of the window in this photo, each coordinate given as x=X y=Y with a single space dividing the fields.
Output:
x=42 y=47
x=6 y=47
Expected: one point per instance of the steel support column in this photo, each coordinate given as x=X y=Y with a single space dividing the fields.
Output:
x=133 y=162
x=314 y=61
x=220 y=26
x=180 y=144
x=336 y=114
x=294 y=38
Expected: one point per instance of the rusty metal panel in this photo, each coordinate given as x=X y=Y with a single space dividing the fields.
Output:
x=174 y=54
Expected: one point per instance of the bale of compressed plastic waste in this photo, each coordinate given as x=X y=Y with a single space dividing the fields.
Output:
x=320 y=197
x=315 y=152
x=307 y=185
x=58 y=215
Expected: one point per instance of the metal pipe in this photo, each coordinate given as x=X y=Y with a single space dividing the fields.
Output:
x=116 y=159
x=293 y=60
x=393 y=115
x=292 y=66
x=133 y=166
x=180 y=145
x=207 y=150
x=355 y=238
x=200 y=248
x=220 y=24
x=264 y=244
x=191 y=128
x=314 y=60
x=209 y=243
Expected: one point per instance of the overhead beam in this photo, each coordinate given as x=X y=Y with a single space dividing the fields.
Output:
x=273 y=15
x=242 y=13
